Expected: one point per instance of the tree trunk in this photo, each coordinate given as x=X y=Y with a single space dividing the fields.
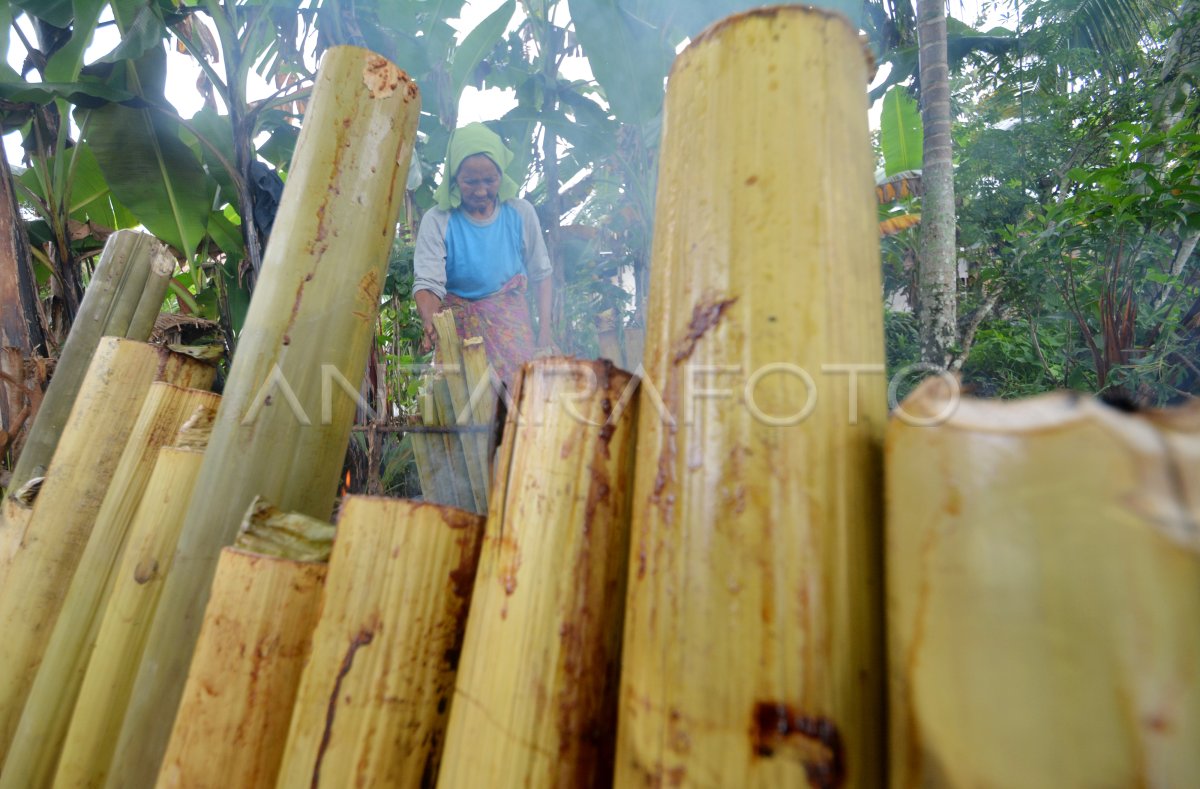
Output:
x=938 y=268
x=20 y=326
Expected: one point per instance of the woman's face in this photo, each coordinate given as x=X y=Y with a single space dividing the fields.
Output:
x=478 y=182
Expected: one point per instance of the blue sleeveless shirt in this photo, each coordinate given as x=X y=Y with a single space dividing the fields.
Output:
x=481 y=257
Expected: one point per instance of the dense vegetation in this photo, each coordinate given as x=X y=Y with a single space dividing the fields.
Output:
x=1075 y=220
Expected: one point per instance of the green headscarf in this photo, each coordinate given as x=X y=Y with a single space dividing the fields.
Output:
x=472 y=139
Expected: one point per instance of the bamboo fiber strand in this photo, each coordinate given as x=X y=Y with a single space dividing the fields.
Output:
x=753 y=631
x=39 y=572
x=47 y=713
x=535 y=698
x=374 y=697
x=233 y=718
x=284 y=421
x=1043 y=566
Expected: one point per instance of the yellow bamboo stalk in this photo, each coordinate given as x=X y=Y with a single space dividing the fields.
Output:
x=47 y=713
x=536 y=695
x=1043 y=566
x=374 y=697
x=449 y=355
x=432 y=453
x=483 y=387
x=753 y=632
x=285 y=416
x=123 y=277
x=466 y=494
x=233 y=718
x=37 y=576
x=150 y=548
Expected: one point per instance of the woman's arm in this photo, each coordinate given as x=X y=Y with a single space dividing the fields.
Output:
x=429 y=272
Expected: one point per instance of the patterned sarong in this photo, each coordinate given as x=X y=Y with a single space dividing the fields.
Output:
x=502 y=320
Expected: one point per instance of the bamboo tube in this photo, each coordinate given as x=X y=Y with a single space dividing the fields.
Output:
x=233 y=718
x=283 y=426
x=1043 y=566
x=150 y=549
x=372 y=703
x=37 y=576
x=465 y=491
x=536 y=695
x=432 y=455
x=753 y=634
x=158 y=280
x=449 y=353
x=108 y=305
x=47 y=713
x=483 y=388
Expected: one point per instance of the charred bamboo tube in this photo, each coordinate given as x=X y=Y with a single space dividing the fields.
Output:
x=36 y=578
x=109 y=303
x=47 y=714
x=372 y=703
x=285 y=416
x=545 y=627
x=753 y=639
x=449 y=350
x=108 y=682
x=233 y=718
x=1043 y=566
x=483 y=387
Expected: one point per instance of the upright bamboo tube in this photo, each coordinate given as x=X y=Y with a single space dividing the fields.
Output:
x=47 y=712
x=284 y=424
x=104 y=693
x=753 y=633
x=373 y=700
x=465 y=491
x=126 y=273
x=39 y=572
x=483 y=387
x=1043 y=566
x=449 y=354
x=233 y=718
x=536 y=696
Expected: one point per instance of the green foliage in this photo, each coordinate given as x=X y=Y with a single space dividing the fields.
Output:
x=901 y=134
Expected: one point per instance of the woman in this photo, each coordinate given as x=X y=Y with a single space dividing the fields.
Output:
x=477 y=250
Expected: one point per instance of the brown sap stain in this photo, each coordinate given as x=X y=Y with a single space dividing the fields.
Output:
x=778 y=730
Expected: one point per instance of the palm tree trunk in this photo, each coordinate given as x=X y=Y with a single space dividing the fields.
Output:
x=938 y=264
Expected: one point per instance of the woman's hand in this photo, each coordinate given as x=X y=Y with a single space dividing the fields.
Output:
x=428 y=336
x=428 y=304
